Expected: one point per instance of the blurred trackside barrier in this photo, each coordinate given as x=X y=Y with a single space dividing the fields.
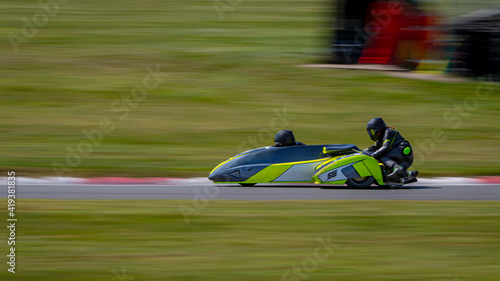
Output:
x=379 y=19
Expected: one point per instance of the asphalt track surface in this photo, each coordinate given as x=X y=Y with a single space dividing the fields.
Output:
x=258 y=192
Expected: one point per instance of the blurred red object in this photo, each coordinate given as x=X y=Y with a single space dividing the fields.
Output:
x=398 y=33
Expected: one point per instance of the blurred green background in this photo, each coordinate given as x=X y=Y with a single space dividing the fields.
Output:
x=231 y=84
x=226 y=79
x=117 y=240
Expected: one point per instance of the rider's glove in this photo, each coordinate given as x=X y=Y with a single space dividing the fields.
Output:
x=366 y=152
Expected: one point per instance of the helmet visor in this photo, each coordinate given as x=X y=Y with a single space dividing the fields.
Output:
x=373 y=134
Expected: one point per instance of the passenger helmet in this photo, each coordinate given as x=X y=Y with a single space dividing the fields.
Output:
x=284 y=138
x=375 y=128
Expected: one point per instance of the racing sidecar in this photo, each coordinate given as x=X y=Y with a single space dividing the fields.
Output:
x=321 y=164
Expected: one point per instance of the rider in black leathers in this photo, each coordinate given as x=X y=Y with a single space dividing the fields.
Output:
x=391 y=149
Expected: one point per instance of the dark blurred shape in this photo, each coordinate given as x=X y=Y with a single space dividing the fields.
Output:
x=285 y=138
x=393 y=32
x=404 y=34
x=478 y=44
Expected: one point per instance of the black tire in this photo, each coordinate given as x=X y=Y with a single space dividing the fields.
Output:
x=360 y=182
x=247 y=184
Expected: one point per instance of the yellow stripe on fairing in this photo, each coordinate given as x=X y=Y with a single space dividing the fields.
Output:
x=274 y=171
x=224 y=163
x=269 y=173
x=302 y=162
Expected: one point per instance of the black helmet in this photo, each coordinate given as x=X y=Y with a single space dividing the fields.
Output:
x=375 y=127
x=284 y=138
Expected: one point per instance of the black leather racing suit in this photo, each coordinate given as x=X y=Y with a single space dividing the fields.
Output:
x=392 y=149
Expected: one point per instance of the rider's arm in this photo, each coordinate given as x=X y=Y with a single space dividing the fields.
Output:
x=369 y=151
x=373 y=147
x=377 y=154
x=386 y=143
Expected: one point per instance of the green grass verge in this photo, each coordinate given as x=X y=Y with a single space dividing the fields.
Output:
x=243 y=240
x=225 y=79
